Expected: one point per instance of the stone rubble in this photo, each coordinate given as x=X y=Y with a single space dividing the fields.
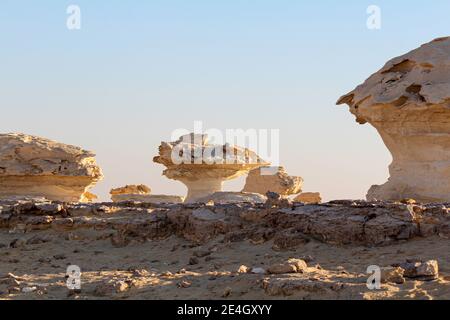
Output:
x=308 y=198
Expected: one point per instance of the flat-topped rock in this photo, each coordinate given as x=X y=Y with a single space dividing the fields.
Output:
x=272 y=179
x=37 y=167
x=308 y=198
x=131 y=189
x=408 y=102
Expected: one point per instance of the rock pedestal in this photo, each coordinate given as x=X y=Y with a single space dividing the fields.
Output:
x=203 y=167
x=408 y=102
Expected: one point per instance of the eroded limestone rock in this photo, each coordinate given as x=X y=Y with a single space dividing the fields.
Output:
x=36 y=167
x=272 y=179
x=147 y=198
x=408 y=102
x=131 y=189
x=203 y=167
x=308 y=197
x=233 y=197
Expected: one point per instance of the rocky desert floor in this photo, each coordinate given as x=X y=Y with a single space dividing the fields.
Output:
x=132 y=251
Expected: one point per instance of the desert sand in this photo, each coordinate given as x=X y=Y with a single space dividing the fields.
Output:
x=186 y=252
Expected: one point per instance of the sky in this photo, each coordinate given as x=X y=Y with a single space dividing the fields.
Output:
x=137 y=70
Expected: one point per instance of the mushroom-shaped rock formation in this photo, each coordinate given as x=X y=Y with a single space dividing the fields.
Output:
x=408 y=102
x=203 y=167
x=38 y=167
x=272 y=179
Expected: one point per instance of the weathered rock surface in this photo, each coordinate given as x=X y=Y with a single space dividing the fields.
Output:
x=422 y=270
x=38 y=167
x=141 y=193
x=203 y=167
x=147 y=198
x=272 y=179
x=408 y=102
x=233 y=197
x=131 y=189
x=337 y=223
x=308 y=198
x=392 y=275
x=290 y=266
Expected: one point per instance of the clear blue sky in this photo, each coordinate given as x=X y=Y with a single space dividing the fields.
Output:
x=137 y=70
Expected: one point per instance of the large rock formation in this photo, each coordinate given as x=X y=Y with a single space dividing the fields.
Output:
x=147 y=198
x=408 y=102
x=262 y=180
x=203 y=167
x=38 y=167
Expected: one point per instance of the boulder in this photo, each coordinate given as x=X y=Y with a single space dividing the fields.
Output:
x=36 y=167
x=308 y=198
x=272 y=179
x=408 y=103
x=290 y=266
x=420 y=270
x=392 y=275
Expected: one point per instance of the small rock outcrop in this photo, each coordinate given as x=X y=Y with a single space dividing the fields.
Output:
x=272 y=179
x=131 y=189
x=203 y=167
x=141 y=193
x=408 y=102
x=308 y=198
x=234 y=197
x=36 y=167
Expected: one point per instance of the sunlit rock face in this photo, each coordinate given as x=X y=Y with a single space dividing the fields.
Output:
x=131 y=189
x=204 y=167
x=38 y=167
x=272 y=179
x=141 y=193
x=408 y=102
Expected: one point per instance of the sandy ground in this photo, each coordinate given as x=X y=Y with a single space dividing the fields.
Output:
x=168 y=269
